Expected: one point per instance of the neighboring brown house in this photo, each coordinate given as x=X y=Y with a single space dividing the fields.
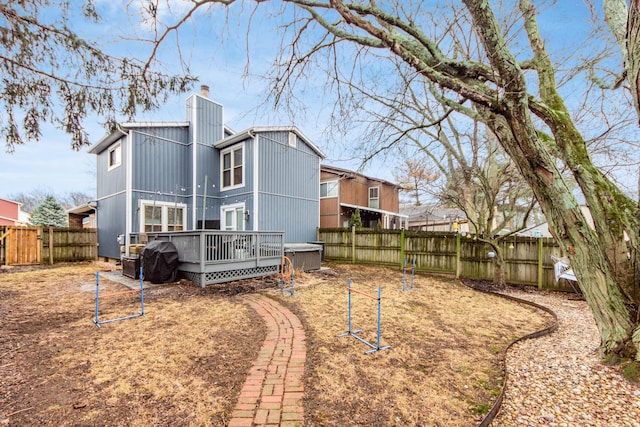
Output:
x=342 y=191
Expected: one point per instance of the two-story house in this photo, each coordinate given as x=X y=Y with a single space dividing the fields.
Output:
x=343 y=191
x=198 y=174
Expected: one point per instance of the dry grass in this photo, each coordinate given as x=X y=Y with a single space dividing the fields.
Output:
x=185 y=361
x=181 y=364
x=442 y=368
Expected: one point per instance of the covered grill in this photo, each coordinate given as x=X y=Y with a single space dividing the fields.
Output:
x=160 y=262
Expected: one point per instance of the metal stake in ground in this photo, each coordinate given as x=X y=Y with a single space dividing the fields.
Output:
x=353 y=333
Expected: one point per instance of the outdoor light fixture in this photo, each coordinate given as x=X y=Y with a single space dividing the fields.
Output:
x=246 y=215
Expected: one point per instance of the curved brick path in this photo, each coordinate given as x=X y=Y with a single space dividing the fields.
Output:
x=272 y=393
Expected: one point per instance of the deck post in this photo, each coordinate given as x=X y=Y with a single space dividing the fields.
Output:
x=201 y=255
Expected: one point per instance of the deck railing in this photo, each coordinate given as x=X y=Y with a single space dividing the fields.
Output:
x=214 y=256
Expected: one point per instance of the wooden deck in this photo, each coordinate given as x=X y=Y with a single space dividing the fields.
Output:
x=213 y=256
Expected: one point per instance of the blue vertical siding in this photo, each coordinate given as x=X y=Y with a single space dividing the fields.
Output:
x=110 y=218
x=210 y=128
x=111 y=181
x=207 y=129
x=289 y=186
x=160 y=159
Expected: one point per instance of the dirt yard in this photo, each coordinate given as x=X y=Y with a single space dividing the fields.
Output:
x=186 y=360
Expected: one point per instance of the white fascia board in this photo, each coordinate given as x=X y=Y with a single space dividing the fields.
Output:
x=131 y=125
x=109 y=139
x=106 y=141
x=233 y=139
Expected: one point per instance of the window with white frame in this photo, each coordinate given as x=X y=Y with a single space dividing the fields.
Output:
x=162 y=216
x=329 y=189
x=293 y=139
x=232 y=161
x=374 y=197
x=115 y=155
x=232 y=217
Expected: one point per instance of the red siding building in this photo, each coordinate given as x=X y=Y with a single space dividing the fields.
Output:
x=9 y=212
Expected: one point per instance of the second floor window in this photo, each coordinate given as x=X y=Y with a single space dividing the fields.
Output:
x=374 y=197
x=329 y=189
x=115 y=156
x=232 y=167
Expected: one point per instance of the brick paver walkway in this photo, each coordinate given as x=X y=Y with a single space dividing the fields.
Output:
x=272 y=393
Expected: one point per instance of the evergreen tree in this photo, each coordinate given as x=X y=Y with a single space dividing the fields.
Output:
x=49 y=213
x=355 y=219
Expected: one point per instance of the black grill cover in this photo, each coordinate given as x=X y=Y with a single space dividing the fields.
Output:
x=160 y=262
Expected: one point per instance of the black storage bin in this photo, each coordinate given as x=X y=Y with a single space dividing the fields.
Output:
x=160 y=262
x=131 y=266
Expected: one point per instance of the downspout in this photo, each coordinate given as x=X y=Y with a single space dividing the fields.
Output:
x=319 y=210
x=256 y=179
x=194 y=164
x=128 y=193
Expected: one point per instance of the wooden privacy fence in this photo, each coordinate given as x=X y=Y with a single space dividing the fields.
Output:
x=527 y=259
x=19 y=245
x=35 y=245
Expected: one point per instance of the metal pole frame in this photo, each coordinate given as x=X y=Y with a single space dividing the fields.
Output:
x=99 y=323
x=352 y=333
x=406 y=287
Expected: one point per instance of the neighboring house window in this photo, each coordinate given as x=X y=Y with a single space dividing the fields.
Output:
x=374 y=197
x=232 y=167
x=329 y=189
x=233 y=217
x=293 y=139
x=115 y=156
x=162 y=216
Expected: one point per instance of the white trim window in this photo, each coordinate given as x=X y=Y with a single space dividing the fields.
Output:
x=114 y=157
x=329 y=189
x=374 y=197
x=232 y=217
x=162 y=216
x=293 y=139
x=232 y=167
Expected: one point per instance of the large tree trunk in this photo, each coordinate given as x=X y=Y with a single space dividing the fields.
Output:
x=575 y=236
x=624 y=23
x=597 y=254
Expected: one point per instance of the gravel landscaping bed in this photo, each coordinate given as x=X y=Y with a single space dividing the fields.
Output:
x=559 y=380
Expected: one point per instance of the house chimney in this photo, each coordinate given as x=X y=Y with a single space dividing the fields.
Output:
x=204 y=91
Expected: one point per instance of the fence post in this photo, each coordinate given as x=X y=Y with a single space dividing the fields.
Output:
x=457 y=255
x=50 y=245
x=402 y=248
x=353 y=244
x=540 y=262
x=4 y=238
